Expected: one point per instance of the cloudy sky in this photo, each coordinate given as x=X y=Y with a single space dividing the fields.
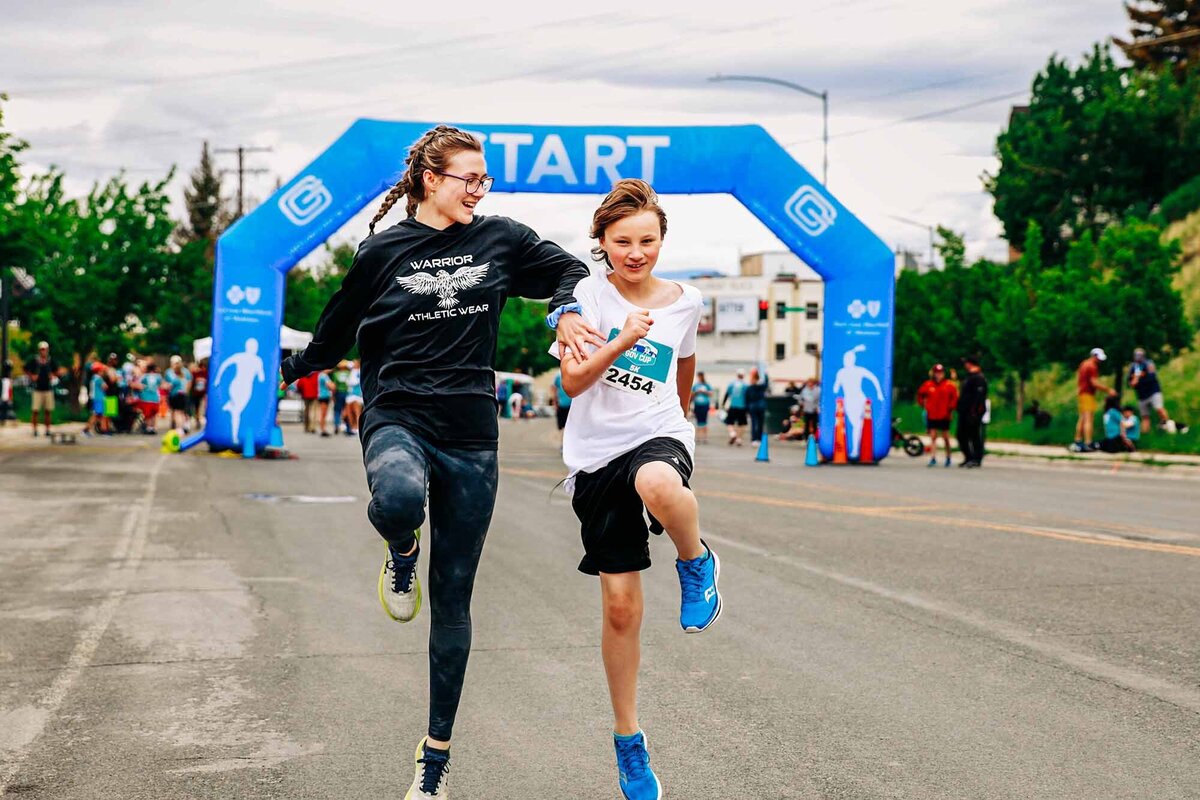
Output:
x=918 y=90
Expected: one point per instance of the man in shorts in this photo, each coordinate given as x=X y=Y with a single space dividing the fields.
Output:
x=1087 y=380
x=44 y=374
x=735 y=408
x=938 y=397
x=1143 y=379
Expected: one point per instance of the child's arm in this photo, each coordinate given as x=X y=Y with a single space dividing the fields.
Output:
x=578 y=375
x=684 y=376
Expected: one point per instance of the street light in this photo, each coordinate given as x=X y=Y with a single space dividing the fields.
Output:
x=916 y=224
x=822 y=96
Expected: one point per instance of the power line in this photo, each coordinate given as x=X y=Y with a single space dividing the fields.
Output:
x=558 y=68
x=945 y=112
x=363 y=60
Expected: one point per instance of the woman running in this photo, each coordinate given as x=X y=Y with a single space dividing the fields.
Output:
x=424 y=298
x=629 y=446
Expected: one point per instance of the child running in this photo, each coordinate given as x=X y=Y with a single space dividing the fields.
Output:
x=629 y=446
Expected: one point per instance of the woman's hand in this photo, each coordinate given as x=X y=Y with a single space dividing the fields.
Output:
x=575 y=333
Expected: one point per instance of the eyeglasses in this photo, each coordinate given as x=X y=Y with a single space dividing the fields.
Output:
x=474 y=185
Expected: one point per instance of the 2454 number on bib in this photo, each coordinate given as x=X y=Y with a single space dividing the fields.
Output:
x=642 y=369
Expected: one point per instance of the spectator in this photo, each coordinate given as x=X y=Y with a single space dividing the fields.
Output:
x=147 y=386
x=1143 y=377
x=1121 y=427
x=562 y=406
x=984 y=422
x=97 y=421
x=702 y=397
x=938 y=398
x=792 y=391
x=503 y=388
x=308 y=387
x=793 y=426
x=1041 y=417
x=810 y=406
x=6 y=395
x=179 y=381
x=354 y=399
x=199 y=393
x=735 y=408
x=44 y=373
x=340 y=377
x=325 y=388
x=1088 y=385
x=972 y=405
x=756 y=404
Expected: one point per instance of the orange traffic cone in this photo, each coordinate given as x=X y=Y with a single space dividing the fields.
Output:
x=839 y=434
x=866 y=444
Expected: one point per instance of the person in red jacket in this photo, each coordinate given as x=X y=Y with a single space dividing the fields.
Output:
x=309 y=387
x=938 y=397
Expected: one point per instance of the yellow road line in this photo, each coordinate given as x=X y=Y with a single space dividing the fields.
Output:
x=897 y=513
x=834 y=488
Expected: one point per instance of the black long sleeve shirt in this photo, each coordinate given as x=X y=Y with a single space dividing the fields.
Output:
x=972 y=397
x=424 y=306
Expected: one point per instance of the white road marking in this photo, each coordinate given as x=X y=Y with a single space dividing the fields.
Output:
x=26 y=724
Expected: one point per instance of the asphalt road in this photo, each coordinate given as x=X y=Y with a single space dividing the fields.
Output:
x=179 y=627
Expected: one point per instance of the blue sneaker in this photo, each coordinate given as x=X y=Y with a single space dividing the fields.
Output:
x=638 y=781
x=701 y=603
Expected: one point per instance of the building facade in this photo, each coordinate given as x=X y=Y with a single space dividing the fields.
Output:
x=770 y=314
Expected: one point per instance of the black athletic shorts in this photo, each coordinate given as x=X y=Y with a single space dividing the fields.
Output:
x=562 y=412
x=178 y=402
x=735 y=416
x=612 y=522
x=939 y=424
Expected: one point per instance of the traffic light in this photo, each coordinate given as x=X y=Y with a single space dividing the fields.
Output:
x=764 y=310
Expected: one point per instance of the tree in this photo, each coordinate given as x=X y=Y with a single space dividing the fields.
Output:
x=1165 y=33
x=524 y=338
x=1115 y=294
x=207 y=215
x=104 y=261
x=308 y=290
x=1096 y=144
x=15 y=245
x=940 y=315
x=1145 y=310
x=1007 y=334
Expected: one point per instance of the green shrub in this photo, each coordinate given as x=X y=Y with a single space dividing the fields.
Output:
x=1181 y=202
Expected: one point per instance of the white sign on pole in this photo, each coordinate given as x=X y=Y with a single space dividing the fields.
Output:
x=737 y=314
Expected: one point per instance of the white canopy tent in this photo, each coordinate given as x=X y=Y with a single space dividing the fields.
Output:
x=289 y=339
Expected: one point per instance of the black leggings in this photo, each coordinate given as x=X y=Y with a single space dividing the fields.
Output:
x=402 y=469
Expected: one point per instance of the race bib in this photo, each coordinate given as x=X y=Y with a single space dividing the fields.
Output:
x=642 y=369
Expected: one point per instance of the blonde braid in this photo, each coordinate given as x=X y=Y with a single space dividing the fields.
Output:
x=395 y=194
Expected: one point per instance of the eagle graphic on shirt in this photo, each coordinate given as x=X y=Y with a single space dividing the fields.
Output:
x=444 y=284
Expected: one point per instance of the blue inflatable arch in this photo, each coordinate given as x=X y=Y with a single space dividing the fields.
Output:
x=255 y=253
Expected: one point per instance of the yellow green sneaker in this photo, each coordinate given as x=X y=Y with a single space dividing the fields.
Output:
x=399 y=586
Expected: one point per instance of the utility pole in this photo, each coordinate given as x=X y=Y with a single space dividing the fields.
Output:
x=932 y=231
x=241 y=151
x=822 y=96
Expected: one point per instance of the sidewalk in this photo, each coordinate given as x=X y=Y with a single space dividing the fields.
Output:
x=1061 y=452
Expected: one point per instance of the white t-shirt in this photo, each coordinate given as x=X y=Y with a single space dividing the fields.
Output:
x=636 y=399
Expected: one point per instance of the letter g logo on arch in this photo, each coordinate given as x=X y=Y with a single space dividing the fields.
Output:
x=809 y=209
x=304 y=202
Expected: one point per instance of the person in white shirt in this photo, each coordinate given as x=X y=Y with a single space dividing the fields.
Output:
x=629 y=446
